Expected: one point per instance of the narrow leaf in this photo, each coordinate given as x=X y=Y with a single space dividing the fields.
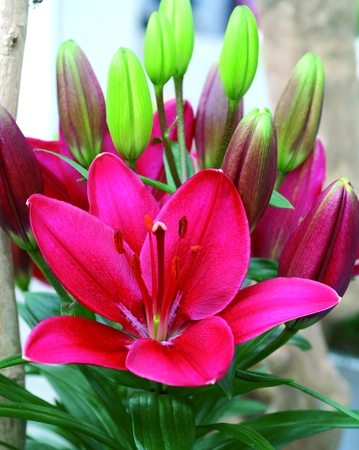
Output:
x=278 y=201
x=227 y=382
x=243 y=434
x=12 y=361
x=72 y=163
x=162 y=422
x=157 y=184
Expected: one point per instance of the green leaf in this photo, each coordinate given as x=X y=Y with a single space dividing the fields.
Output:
x=158 y=184
x=243 y=434
x=8 y=446
x=176 y=156
x=327 y=400
x=54 y=417
x=72 y=163
x=124 y=378
x=227 y=382
x=38 y=306
x=247 y=349
x=301 y=342
x=278 y=201
x=261 y=269
x=282 y=428
x=162 y=422
x=12 y=361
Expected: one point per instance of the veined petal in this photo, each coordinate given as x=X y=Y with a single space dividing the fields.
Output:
x=74 y=340
x=80 y=250
x=119 y=198
x=265 y=305
x=200 y=355
x=213 y=254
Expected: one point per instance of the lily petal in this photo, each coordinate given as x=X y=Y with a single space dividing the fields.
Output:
x=265 y=305
x=200 y=355
x=75 y=340
x=118 y=197
x=80 y=250
x=214 y=253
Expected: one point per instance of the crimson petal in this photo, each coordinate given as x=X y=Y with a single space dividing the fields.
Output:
x=265 y=305
x=74 y=340
x=200 y=355
x=119 y=198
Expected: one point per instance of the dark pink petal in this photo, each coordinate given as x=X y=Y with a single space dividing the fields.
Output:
x=61 y=180
x=80 y=250
x=301 y=187
x=74 y=340
x=200 y=355
x=119 y=198
x=214 y=253
x=265 y=305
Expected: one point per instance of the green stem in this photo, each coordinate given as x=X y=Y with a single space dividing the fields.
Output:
x=39 y=260
x=166 y=141
x=280 y=179
x=131 y=163
x=181 y=137
x=232 y=109
x=278 y=342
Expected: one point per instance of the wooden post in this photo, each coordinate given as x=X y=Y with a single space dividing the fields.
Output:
x=13 y=24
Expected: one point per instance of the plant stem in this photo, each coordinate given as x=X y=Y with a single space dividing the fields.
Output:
x=166 y=141
x=181 y=137
x=39 y=260
x=232 y=109
x=131 y=163
x=278 y=342
x=280 y=178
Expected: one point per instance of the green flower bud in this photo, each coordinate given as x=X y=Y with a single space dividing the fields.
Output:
x=179 y=13
x=298 y=112
x=81 y=103
x=160 y=49
x=129 y=106
x=239 y=57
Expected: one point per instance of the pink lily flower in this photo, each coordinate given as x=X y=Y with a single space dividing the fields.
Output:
x=169 y=278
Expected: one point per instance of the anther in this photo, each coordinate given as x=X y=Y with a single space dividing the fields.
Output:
x=136 y=266
x=182 y=227
x=195 y=248
x=176 y=265
x=118 y=242
x=148 y=222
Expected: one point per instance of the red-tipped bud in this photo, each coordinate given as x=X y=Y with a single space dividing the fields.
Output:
x=20 y=177
x=251 y=162
x=301 y=187
x=298 y=112
x=211 y=118
x=323 y=247
x=81 y=103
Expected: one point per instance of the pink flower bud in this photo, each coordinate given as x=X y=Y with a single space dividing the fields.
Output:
x=251 y=162
x=211 y=118
x=20 y=177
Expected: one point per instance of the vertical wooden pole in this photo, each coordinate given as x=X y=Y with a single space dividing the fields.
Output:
x=13 y=24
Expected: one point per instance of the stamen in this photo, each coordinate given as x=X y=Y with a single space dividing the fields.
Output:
x=176 y=265
x=148 y=222
x=118 y=242
x=195 y=248
x=182 y=227
x=136 y=266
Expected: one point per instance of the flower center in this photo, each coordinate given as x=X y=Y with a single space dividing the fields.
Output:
x=158 y=305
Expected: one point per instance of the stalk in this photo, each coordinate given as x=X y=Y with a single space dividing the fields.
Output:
x=232 y=109
x=178 y=81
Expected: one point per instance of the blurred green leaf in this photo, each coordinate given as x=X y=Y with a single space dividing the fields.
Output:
x=261 y=269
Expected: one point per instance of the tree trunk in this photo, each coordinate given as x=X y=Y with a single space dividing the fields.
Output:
x=13 y=23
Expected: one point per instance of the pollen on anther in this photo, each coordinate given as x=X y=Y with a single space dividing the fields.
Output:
x=176 y=265
x=182 y=227
x=118 y=242
x=148 y=222
x=195 y=248
x=136 y=266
